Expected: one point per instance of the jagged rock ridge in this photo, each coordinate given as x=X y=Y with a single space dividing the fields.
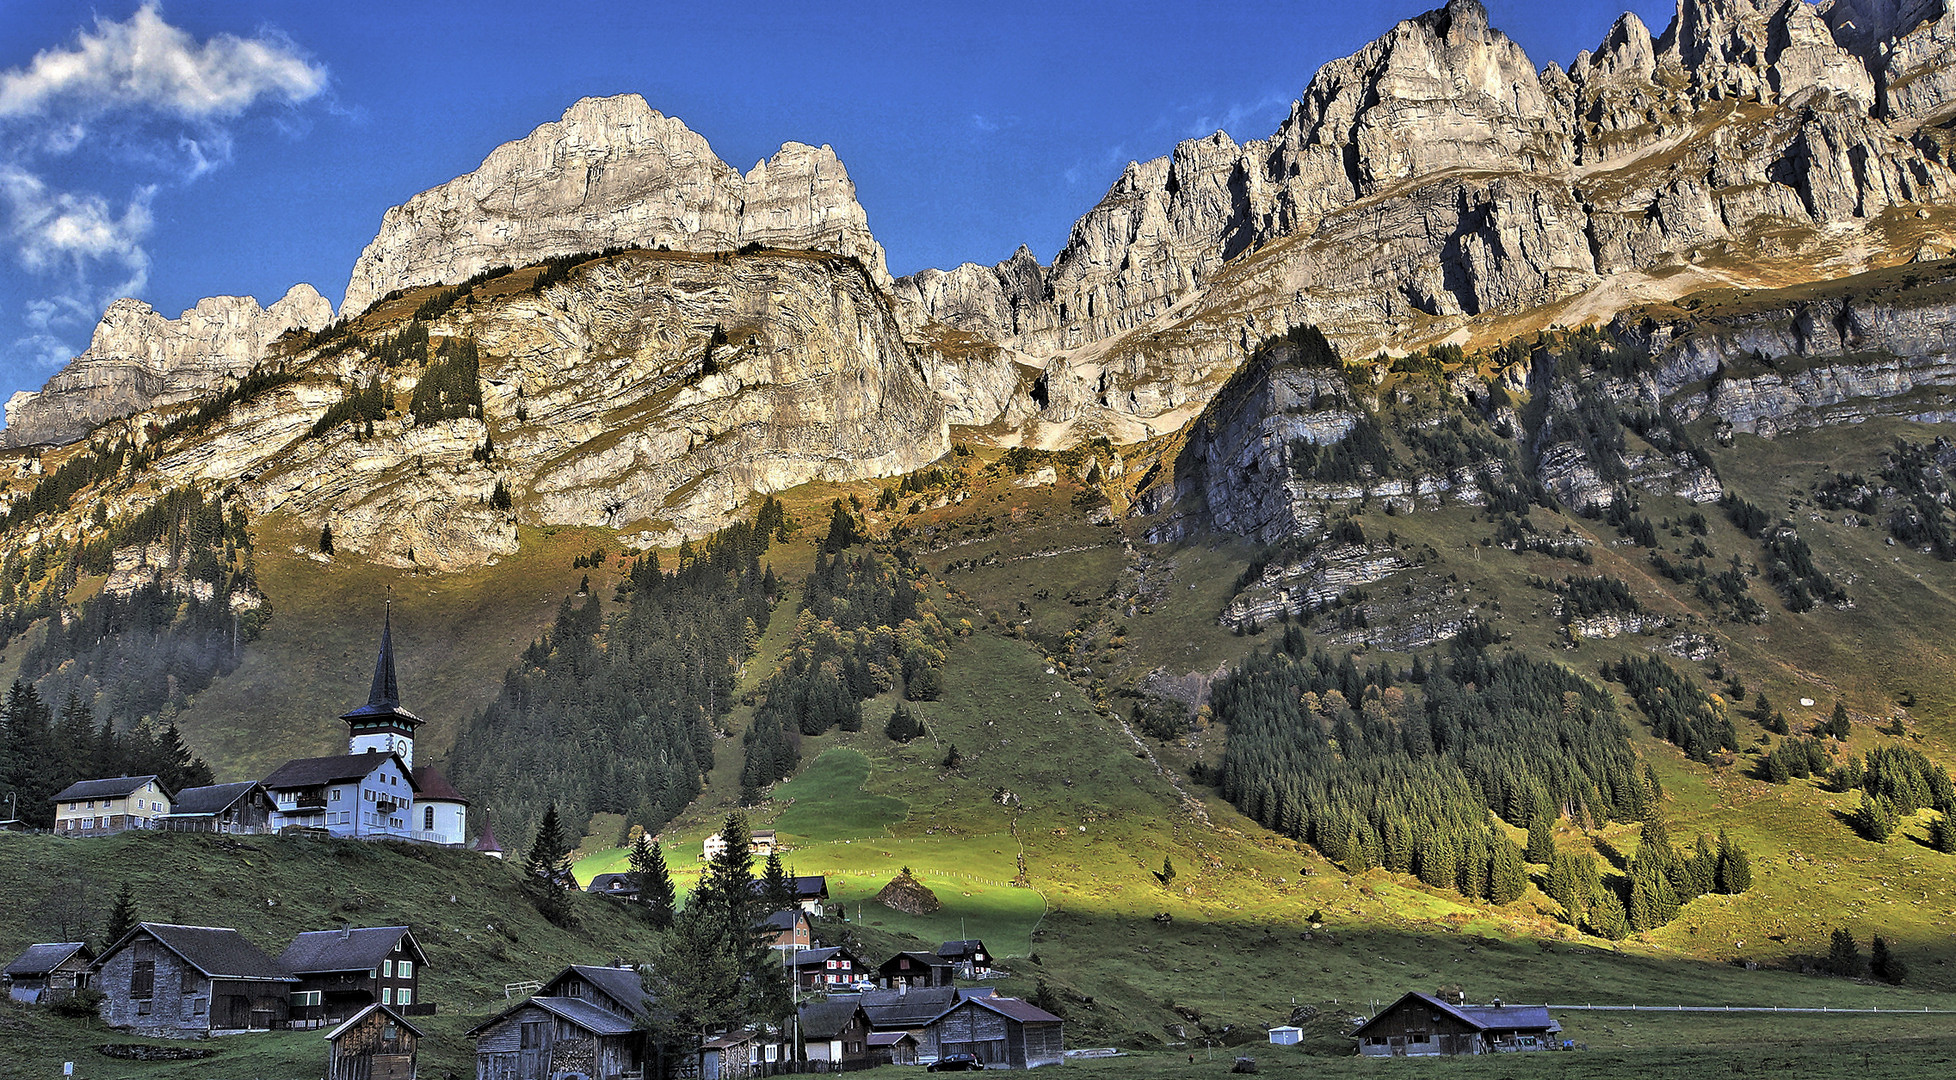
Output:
x=138 y=359
x=611 y=173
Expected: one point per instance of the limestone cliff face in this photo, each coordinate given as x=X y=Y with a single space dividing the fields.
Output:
x=1435 y=178
x=611 y=173
x=654 y=393
x=138 y=359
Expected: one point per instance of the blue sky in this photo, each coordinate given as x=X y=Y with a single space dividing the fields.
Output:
x=179 y=150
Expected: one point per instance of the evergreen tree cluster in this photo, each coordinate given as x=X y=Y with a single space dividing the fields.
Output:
x=1408 y=780
x=450 y=387
x=141 y=652
x=616 y=713
x=715 y=970
x=41 y=753
x=360 y=407
x=864 y=624
x=1680 y=712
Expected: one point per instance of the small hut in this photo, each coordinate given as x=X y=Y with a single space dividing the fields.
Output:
x=374 y=1044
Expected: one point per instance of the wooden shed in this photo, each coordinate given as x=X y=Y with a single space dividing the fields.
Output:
x=1000 y=1032
x=374 y=1044
x=49 y=971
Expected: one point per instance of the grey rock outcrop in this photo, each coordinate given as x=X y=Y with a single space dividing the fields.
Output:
x=137 y=359
x=1434 y=179
x=611 y=172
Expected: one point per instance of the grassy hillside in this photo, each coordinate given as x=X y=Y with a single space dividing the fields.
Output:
x=466 y=910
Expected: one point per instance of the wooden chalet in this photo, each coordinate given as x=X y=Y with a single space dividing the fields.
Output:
x=834 y=1035
x=375 y=1043
x=107 y=807
x=616 y=886
x=1001 y=1032
x=169 y=979
x=916 y=970
x=586 y=1020
x=789 y=930
x=241 y=808
x=969 y=959
x=48 y=972
x=833 y=968
x=1420 y=1025
x=736 y=1055
x=343 y=971
x=810 y=891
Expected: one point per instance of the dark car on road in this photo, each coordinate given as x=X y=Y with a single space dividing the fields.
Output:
x=954 y=1063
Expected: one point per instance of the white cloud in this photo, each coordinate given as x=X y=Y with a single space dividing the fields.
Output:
x=44 y=352
x=145 y=64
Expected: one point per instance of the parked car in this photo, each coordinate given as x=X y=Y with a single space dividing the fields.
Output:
x=954 y=1063
x=863 y=986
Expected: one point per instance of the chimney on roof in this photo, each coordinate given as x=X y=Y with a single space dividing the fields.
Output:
x=1497 y=1003
x=346 y=930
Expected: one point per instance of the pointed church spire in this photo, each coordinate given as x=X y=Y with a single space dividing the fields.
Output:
x=386 y=692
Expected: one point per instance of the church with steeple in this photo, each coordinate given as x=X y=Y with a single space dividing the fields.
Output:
x=374 y=789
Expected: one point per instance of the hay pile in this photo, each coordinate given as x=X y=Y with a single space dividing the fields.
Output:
x=908 y=895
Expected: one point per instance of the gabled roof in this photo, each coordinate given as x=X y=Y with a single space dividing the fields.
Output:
x=802 y=887
x=889 y=1038
x=1482 y=1018
x=210 y=800
x=826 y=1019
x=309 y=772
x=889 y=1009
x=384 y=699
x=1015 y=1009
x=596 y=1020
x=623 y=986
x=114 y=787
x=612 y=883
x=781 y=920
x=924 y=960
x=429 y=784
x=820 y=957
x=352 y=949
x=45 y=957
x=362 y=1015
x=962 y=950
x=218 y=951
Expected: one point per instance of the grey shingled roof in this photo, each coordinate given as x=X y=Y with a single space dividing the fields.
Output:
x=210 y=800
x=360 y=949
x=960 y=950
x=217 y=951
x=114 y=787
x=307 y=772
x=924 y=960
x=1017 y=1009
x=44 y=957
x=621 y=985
x=592 y=1018
x=1479 y=1017
x=826 y=1019
x=889 y=1009
x=362 y=1015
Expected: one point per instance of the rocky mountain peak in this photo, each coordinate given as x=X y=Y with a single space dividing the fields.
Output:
x=611 y=172
x=136 y=358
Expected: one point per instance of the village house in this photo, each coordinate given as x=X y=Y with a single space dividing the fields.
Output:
x=892 y=1048
x=905 y=1010
x=584 y=1021
x=1420 y=1025
x=833 y=968
x=760 y=844
x=240 y=808
x=1001 y=1032
x=106 y=807
x=343 y=971
x=791 y=930
x=834 y=1035
x=375 y=1043
x=616 y=886
x=915 y=970
x=969 y=959
x=168 y=979
x=48 y=972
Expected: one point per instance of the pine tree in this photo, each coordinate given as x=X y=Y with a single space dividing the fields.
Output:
x=1874 y=818
x=1734 y=873
x=122 y=917
x=1843 y=954
x=777 y=888
x=547 y=872
x=1507 y=876
x=1541 y=838
x=653 y=881
x=1606 y=916
x=1884 y=964
x=1652 y=900
x=1942 y=834
x=716 y=969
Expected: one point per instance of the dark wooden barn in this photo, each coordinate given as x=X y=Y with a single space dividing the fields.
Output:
x=1420 y=1025
x=375 y=1043
x=1000 y=1032
x=173 y=979
x=49 y=972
